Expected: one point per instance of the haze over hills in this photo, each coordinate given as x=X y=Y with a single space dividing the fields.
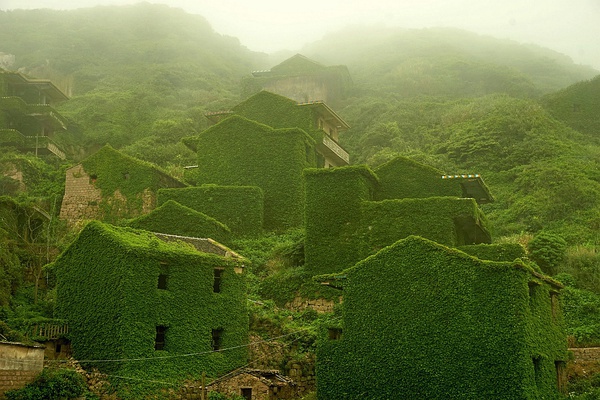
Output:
x=143 y=76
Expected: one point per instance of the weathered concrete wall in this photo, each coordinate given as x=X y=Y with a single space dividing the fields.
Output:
x=19 y=365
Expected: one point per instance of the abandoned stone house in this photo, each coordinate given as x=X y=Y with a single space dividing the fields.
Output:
x=442 y=324
x=255 y=384
x=28 y=120
x=352 y=212
x=132 y=295
x=110 y=185
x=302 y=80
x=267 y=141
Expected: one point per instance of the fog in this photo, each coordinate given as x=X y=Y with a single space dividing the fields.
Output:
x=571 y=27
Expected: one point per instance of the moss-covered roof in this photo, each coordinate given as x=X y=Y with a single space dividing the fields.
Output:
x=176 y=219
x=415 y=242
x=114 y=170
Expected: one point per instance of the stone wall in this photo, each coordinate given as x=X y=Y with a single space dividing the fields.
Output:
x=81 y=199
x=19 y=365
x=319 y=305
x=586 y=354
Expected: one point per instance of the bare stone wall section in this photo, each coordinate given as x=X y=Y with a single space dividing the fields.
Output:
x=82 y=198
x=319 y=305
x=588 y=354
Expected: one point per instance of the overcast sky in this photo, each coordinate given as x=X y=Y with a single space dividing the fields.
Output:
x=568 y=26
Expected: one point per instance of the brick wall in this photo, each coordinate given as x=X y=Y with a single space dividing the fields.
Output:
x=13 y=379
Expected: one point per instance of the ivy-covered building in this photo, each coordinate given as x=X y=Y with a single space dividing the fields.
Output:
x=301 y=79
x=28 y=120
x=421 y=320
x=173 y=218
x=110 y=185
x=352 y=212
x=266 y=142
x=157 y=308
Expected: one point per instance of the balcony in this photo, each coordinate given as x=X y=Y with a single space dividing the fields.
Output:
x=38 y=144
x=333 y=152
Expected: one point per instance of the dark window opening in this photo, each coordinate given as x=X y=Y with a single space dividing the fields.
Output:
x=246 y=393
x=217 y=337
x=57 y=348
x=159 y=341
x=537 y=368
x=532 y=289
x=335 y=333
x=218 y=275
x=554 y=305
x=561 y=376
x=162 y=281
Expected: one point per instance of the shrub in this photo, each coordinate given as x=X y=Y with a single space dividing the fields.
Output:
x=51 y=384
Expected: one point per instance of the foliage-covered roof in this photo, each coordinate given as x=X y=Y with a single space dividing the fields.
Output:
x=175 y=219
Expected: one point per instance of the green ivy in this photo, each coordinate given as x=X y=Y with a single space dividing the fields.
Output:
x=112 y=171
x=241 y=152
x=238 y=207
x=423 y=321
x=107 y=290
x=174 y=219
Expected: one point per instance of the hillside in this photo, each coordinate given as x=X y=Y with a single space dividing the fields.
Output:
x=577 y=106
x=133 y=72
x=142 y=77
x=445 y=62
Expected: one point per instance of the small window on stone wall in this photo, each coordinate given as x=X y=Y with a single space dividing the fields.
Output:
x=246 y=393
x=159 y=340
x=217 y=337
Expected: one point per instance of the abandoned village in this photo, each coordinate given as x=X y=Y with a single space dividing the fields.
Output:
x=431 y=307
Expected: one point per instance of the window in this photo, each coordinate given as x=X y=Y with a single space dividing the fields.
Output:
x=554 y=305
x=162 y=281
x=335 y=333
x=246 y=393
x=537 y=368
x=561 y=377
x=163 y=276
x=159 y=341
x=218 y=275
x=217 y=336
x=532 y=289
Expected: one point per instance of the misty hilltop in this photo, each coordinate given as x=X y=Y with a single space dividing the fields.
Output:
x=143 y=77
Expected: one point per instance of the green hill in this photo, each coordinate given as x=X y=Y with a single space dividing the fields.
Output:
x=578 y=106
x=445 y=62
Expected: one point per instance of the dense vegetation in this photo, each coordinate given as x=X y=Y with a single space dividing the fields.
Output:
x=141 y=77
